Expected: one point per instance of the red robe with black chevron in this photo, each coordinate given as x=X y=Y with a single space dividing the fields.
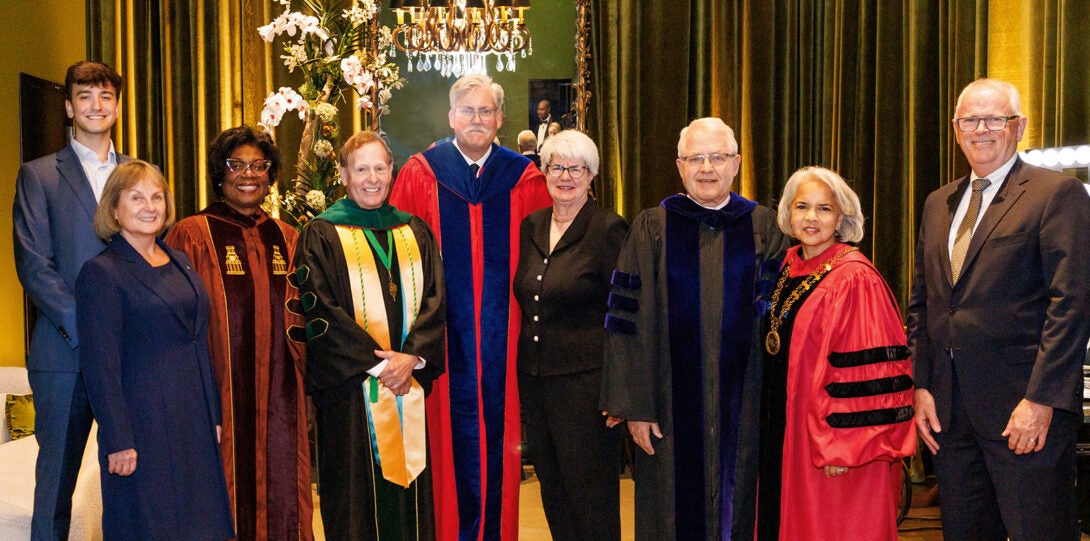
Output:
x=850 y=310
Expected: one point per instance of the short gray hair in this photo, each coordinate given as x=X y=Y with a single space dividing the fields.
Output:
x=998 y=85
x=572 y=144
x=527 y=140
x=709 y=124
x=468 y=83
x=851 y=228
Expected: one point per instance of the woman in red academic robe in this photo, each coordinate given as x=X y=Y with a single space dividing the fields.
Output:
x=837 y=389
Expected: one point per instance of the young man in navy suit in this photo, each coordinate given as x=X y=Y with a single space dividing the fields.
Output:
x=998 y=322
x=55 y=201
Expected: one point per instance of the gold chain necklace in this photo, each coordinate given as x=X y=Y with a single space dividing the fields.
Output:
x=772 y=339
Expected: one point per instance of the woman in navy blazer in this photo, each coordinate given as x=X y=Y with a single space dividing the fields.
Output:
x=148 y=373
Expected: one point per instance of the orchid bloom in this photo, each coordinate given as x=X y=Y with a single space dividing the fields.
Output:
x=278 y=103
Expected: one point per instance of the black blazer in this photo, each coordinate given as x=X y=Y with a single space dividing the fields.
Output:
x=563 y=294
x=1017 y=322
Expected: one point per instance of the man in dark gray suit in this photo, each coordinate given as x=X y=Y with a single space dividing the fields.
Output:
x=55 y=201
x=998 y=323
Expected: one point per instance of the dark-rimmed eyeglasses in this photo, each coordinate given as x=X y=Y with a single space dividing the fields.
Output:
x=236 y=165
x=486 y=113
x=717 y=159
x=993 y=123
x=556 y=170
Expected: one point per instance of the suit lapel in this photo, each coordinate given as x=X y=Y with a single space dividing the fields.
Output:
x=542 y=230
x=540 y=233
x=1009 y=193
x=144 y=273
x=578 y=226
x=195 y=282
x=952 y=202
x=71 y=172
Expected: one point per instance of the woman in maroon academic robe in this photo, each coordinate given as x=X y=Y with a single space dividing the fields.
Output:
x=837 y=386
x=243 y=256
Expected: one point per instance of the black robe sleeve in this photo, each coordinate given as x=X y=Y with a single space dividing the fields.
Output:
x=631 y=378
x=338 y=349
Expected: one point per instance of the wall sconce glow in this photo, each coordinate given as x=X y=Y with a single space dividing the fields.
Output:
x=1082 y=154
x=1067 y=156
x=1058 y=157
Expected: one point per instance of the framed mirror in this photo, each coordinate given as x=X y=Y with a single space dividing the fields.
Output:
x=581 y=86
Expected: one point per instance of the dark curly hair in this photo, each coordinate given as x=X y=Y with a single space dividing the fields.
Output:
x=227 y=142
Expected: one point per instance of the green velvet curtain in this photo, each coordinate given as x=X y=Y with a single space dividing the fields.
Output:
x=153 y=49
x=191 y=69
x=865 y=87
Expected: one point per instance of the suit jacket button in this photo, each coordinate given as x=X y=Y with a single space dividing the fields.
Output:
x=953 y=309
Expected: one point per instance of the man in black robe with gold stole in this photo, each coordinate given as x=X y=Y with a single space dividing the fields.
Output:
x=679 y=335
x=372 y=288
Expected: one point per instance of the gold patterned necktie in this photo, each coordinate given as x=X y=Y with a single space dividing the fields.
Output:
x=965 y=230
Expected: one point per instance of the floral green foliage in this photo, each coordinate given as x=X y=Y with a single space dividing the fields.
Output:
x=340 y=49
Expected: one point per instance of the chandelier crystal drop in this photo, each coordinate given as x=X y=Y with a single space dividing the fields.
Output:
x=457 y=37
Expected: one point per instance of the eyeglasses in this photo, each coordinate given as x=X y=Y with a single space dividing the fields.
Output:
x=718 y=159
x=556 y=170
x=993 y=123
x=257 y=166
x=486 y=113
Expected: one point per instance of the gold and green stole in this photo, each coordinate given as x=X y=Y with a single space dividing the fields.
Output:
x=397 y=423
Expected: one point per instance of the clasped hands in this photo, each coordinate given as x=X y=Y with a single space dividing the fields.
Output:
x=1026 y=429
x=397 y=375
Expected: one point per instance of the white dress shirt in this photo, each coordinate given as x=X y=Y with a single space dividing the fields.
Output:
x=97 y=171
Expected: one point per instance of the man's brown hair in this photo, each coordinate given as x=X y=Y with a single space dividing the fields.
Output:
x=91 y=73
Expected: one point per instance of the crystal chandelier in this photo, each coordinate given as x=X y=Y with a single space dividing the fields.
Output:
x=456 y=37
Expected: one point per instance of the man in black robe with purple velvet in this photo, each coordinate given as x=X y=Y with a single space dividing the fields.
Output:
x=680 y=322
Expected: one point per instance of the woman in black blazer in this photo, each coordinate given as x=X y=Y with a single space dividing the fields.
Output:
x=142 y=314
x=567 y=253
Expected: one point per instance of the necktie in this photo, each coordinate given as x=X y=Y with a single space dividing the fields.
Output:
x=965 y=229
x=474 y=169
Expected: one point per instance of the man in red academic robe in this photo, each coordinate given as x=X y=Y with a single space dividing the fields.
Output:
x=474 y=194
